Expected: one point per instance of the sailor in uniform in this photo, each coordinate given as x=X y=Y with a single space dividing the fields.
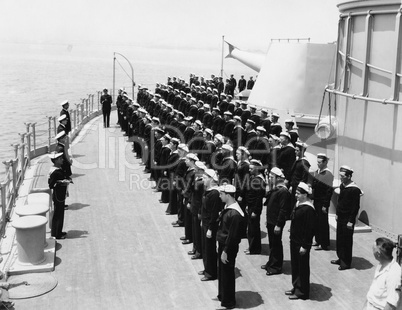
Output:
x=58 y=182
x=322 y=192
x=278 y=211
x=65 y=104
x=255 y=195
x=286 y=156
x=303 y=223
x=275 y=128
x=106 y=101
x=211 y=206
x=231 y=221
x=346 y=213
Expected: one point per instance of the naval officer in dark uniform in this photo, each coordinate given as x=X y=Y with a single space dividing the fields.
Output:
x=64 y=111
x=106 y=101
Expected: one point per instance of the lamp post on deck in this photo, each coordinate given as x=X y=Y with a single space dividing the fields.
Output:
x=114 y=75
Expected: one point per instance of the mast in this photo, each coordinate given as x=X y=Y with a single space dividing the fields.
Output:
x=223 y=43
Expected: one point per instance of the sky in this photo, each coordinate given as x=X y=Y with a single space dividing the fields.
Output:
x=167 y=23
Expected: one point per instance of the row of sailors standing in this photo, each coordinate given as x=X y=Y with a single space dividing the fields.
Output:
x=185 y=165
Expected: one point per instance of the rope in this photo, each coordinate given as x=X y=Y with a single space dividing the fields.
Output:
x=322 y=105
x=124 y=70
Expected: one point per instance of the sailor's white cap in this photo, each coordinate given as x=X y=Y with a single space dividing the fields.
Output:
x=219 y=137
x=227 y=188
x=255 y=162
x=64 y=102
x=200 y=165
x=209 y=131
x=285 y=134
x=244 y=149
x=227 y=147
x=278 y=172
x=183 y=147
x=260 y=128
x=212 y=174
x=304 y=187
x=192 y=156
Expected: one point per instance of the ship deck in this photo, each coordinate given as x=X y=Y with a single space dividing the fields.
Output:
x=123 y=253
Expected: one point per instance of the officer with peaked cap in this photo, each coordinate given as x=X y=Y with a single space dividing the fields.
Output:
x=346 y=212
x=62 y=123
x=231 y=221
x=58 y=182
x=64 y=111
x=106 y=102
x=62 y=147
x=322 y=192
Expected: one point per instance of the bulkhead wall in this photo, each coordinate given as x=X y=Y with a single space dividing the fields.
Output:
x=369 y=135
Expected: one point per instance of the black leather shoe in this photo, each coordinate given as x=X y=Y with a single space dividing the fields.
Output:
x=187 y=242
x=196 y=256
x=207 y=279
x=343 y=267
x=178 y=225
x=290 y=292
x=201 y=273
x=183 y=238
x=264 y=267
x=61 y=237
x=64 y=233
x=336 y=262
x=191 y=252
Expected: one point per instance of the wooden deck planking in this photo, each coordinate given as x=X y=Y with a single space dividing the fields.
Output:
x=123 y=253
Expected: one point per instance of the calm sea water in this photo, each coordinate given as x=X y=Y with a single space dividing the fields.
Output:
x=35 y=78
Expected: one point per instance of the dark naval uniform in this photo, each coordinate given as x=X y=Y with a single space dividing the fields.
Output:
x=211 y=206
x=322 y=193
x=346 y=211
x=301 y=235
x=58 y=182
x=231 y=221
x=278 y=211
x=255 y=195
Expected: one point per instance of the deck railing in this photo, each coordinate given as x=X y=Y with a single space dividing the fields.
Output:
x=36 y=141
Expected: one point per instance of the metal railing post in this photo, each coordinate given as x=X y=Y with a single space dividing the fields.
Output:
x=87 y=106
x=74 y=113
x=21 y=151
x=15 y=150
x=15 y=177
x=3 y=187
x=54 y=124
x=50 y=131
x=34 y=137
x=29 y=134
x=93 y=97
x=98 y=98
